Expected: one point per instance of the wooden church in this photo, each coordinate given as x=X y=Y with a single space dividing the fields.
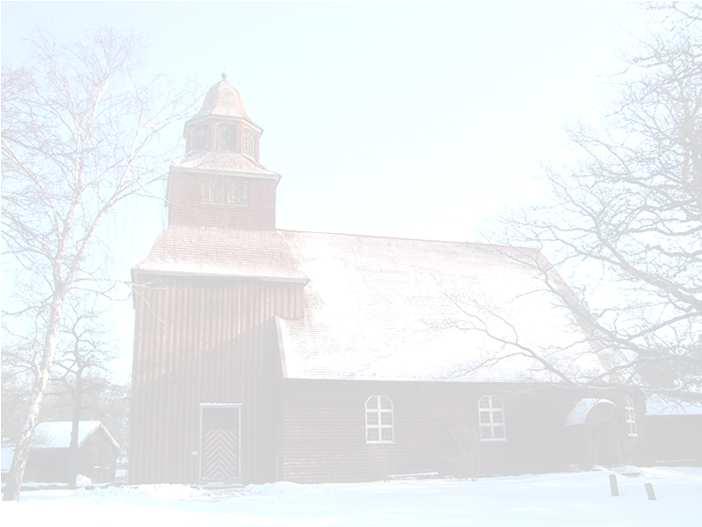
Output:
x=263 y=354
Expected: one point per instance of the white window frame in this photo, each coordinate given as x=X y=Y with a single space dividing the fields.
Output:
x=491 y=405
x=374 y=406
x=632 y=426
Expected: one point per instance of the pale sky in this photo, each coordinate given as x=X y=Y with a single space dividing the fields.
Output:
x=416 y=119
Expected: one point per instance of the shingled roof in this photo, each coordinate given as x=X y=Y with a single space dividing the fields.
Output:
x=396 y=309
x=403 y=309
x=57 y=434
x=231 y=163
x=223 y=99
x=222 y=252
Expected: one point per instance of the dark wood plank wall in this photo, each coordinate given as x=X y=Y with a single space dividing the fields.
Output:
x=204 y=340
x=183 y=210
x=673 y=439
x=97 y=456
x=435 y=429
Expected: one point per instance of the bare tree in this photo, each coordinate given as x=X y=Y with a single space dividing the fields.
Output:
x=14 y=398
x=625 y=225
x=80 y=136
x=78 y=366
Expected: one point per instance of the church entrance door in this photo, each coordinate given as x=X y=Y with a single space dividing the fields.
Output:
x=220 y=442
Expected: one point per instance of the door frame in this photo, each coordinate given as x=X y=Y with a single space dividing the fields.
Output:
x=202 y=407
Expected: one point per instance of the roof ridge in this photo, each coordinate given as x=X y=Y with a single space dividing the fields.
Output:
x=408 y=238
x=349 y=234
x=69 y=421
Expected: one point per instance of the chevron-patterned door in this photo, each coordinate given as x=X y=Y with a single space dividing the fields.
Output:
x=219 y=435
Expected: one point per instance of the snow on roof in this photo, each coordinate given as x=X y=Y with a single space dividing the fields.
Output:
x=578 y=415
x=223 y=99
x=395 y=309
x=222 y=252
x=660 y=405
x=57 y=434
x=230 y=162
x=8 y=453
x=403 y=309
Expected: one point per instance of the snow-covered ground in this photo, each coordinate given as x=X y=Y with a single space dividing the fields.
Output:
x=562 y=500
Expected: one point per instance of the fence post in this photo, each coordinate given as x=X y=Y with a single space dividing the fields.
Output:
x=613 y=485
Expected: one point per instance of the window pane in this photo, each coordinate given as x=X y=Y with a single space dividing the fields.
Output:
x=210 y=191
x=485 y=432
x=237 y=193
x=484 y=402
x=633 y=430
x=496 y=402
x=484 y=417
x=372 y=403
x=499 y=432
x=498 y=417
x=379 y=418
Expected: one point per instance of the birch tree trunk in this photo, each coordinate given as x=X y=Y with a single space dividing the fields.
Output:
x=74 y=455
x=80 y=136
x=22 y=449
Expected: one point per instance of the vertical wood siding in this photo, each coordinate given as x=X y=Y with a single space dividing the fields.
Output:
x=185 y=207
x=673 y=439
x=435 y=429
x=204 y=340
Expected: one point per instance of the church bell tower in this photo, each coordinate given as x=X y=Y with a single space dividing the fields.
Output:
x=220 y=182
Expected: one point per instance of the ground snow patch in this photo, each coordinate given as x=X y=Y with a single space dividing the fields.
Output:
x=549 y=500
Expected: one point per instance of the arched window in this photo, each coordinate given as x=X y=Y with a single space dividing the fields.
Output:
x=632 y=428
x=380 y=421
x=491 y=418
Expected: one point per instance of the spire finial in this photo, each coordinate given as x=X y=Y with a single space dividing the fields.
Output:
x=224 y=76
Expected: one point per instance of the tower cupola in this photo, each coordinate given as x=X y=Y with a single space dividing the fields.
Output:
x=220 y=182
x=222 y=124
